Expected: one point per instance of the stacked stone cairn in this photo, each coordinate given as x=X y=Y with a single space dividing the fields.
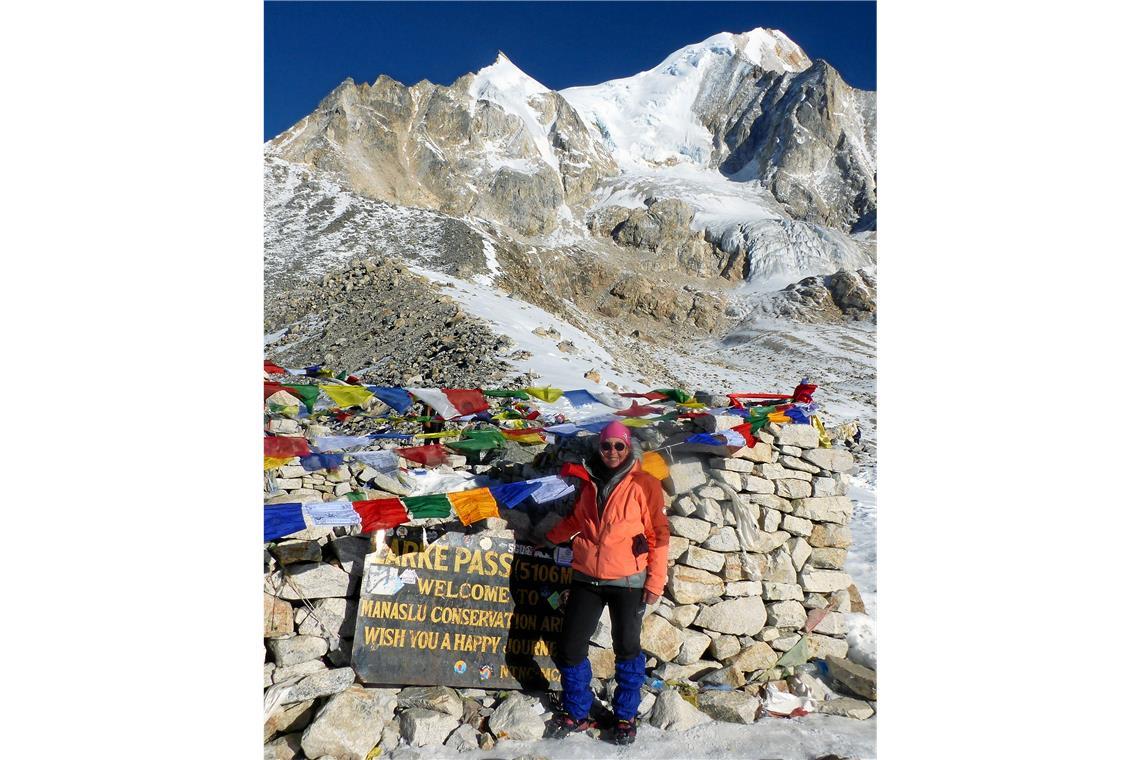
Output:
x=712 y=641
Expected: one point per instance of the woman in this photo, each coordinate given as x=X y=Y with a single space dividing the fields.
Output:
x=621 y=543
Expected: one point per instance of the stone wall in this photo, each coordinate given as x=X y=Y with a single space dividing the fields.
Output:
x=759 y=540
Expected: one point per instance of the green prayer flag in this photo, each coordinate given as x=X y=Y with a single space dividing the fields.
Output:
x=504 y=393
x=355 y=496
x=676 y=394
x=308 y=393
x=478 y=440
x=433 y=505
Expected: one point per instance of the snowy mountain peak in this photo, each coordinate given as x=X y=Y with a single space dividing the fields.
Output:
x=506 y=78
x=772 y=50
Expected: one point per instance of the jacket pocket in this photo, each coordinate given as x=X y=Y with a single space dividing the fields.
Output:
x=640 y=545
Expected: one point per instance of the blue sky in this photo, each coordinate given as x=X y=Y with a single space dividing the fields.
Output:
x=310 y=47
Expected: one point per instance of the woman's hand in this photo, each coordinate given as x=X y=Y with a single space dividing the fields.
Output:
x=648 y=597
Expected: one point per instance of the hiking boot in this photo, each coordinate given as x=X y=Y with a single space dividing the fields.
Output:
x=563 y=724
x=625 y=731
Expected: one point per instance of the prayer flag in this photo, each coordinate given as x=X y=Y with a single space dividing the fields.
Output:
x=380 y=514
x=272 y=368
x=431 y=455
x=314 y=462
x=550 y=488
x=338 y=442
x=307 y=393
x=272 y=463
x=655 y=465
x=397 y=398
x=526 y=435
x=285 y=446
x=510 y=495
x=435 y=505
x=346 y=396
x=547 y=394
x=580 y=397
x=478 y=440
x=283 y=519
x=474 y=505
x=381 y=461
x=676 y=394
x=503 y=393
x=639 y=411
x=331 y=513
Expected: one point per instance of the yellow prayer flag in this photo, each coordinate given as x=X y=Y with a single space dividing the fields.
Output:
x=824 y=438
x=692 y=404
x=272 y=463
x=476 y=504
x=444 y=434
x=345 y=396
x=779 y=417
x=636 y=422
x=655 y=465
x=546 y=394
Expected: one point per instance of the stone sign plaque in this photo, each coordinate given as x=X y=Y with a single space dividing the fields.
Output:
x=459 y=610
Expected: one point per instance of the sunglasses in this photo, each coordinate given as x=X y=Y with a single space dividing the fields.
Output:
x=616 y=446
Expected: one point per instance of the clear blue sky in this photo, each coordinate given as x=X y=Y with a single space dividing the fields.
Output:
x=311 y=47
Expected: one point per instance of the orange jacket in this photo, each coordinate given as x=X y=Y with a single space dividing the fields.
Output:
x=606 y=548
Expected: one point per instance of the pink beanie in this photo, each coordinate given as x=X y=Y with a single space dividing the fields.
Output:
x=614 y=430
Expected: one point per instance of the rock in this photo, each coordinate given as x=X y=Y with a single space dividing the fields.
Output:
x=338 y=617
x=690 y=528
x=792 y=489
x=766 y=542
x=754 y=484
x=712 y=491
x=683 y=615
x=827 y=534
x=771 y=501
x=319 y=685
x=730 y=464
x=795 y=463
x=515 y=718
x=743 y=588
x=287 y=747
x=854 y=678
x=831 y=509
x=787 y=614
x=684 y=506
x=288 y=718
x=350 y=552
x=832 y=624
x=716 y=423
x=301 y=669
x=804 y=436
x=760 y=452
x=677 y=547
x=295 y=649
x=672 y=712
x=785 y=641
x=778 y=592
x=420 y=727
x=693 y=646
x=722 y=539
x=730 y=480
x=799 y=550
x=660 y=639
x=828 y=558
x=278 y=617
x=603 y=633
x=710 y=511
x=797 y=526
x=442 y=699
x=724 y=647
x=826 y=486
x=730 y=676
x=463 y=739
x=703 y=559
x=289 y=552
x=729 y=706
x=646 y=704
x=780 y=568
x=846 y=708
x=756 y=656
x=835 y=460
x=856 y=599
x=806 y=685
x=267 y=674
x=687 y=585
x=310 y=580
x=602 y=661
x=823 y=581
x=685 y=474
x=350 y=724
x=820 y=647
x=486 y=740
x=671 y=671
x=744 y=616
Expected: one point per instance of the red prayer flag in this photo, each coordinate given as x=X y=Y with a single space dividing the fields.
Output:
x=746 y=431
x=273 y=369
x=286 y=446
x=466 y=401
x=429 y=456
x=380 y=514
x=638 y=411
x=651 y=395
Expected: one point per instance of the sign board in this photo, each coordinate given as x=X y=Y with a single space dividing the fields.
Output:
x=459 y=610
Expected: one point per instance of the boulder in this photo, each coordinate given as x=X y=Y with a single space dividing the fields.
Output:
x=516 y=718
x=828 y=558
x=724 y=647
x=660 y=639
x=677 y=546
x=743 y=588
x=693 y=646
x=442 y=699
x=337 y=616
x=823 y=581
x=827 y=534
x=846 y=708
x=795 y=463
x=824 y=486
x=703 y=559
x=787 y=614
x=771 y=501
x=830 y=509
x=350 y=552
x=832 y=624
x=729 y=706
x=712 y=491
x=797 y=526
x=320 y=684
x=463 y=739
x=685 y=474
x=672 y=713
x=792 y=489
x=671 y=671
x=803 y=436
x=710 y=511
x=729 y=676
x=683 y=615
x=730 y=464
x=820 y=647
x=755 y=656
x=278 y=616
x=744 y=616
x=760 y=452
x=728 y=479
x=722 y=539
x=853 y=678
x=688 y=585
x=766 y=542
x=300 y=670
x=350 y=724
x=420 y=727
x=835 y=460
x=690 y=528
x=755 y=484
x=683 y=506
x=309 y=580
x=780 y=568
x=288 y=718
x=287 y=747
x=799 y=550
x=291 y=552
x=602 y=661
x=295 y=649
x=778 y=592
x=856 y=599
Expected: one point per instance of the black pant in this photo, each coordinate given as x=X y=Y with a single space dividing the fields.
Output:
x=583 y=611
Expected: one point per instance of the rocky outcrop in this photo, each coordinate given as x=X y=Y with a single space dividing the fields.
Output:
x=825 y=298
